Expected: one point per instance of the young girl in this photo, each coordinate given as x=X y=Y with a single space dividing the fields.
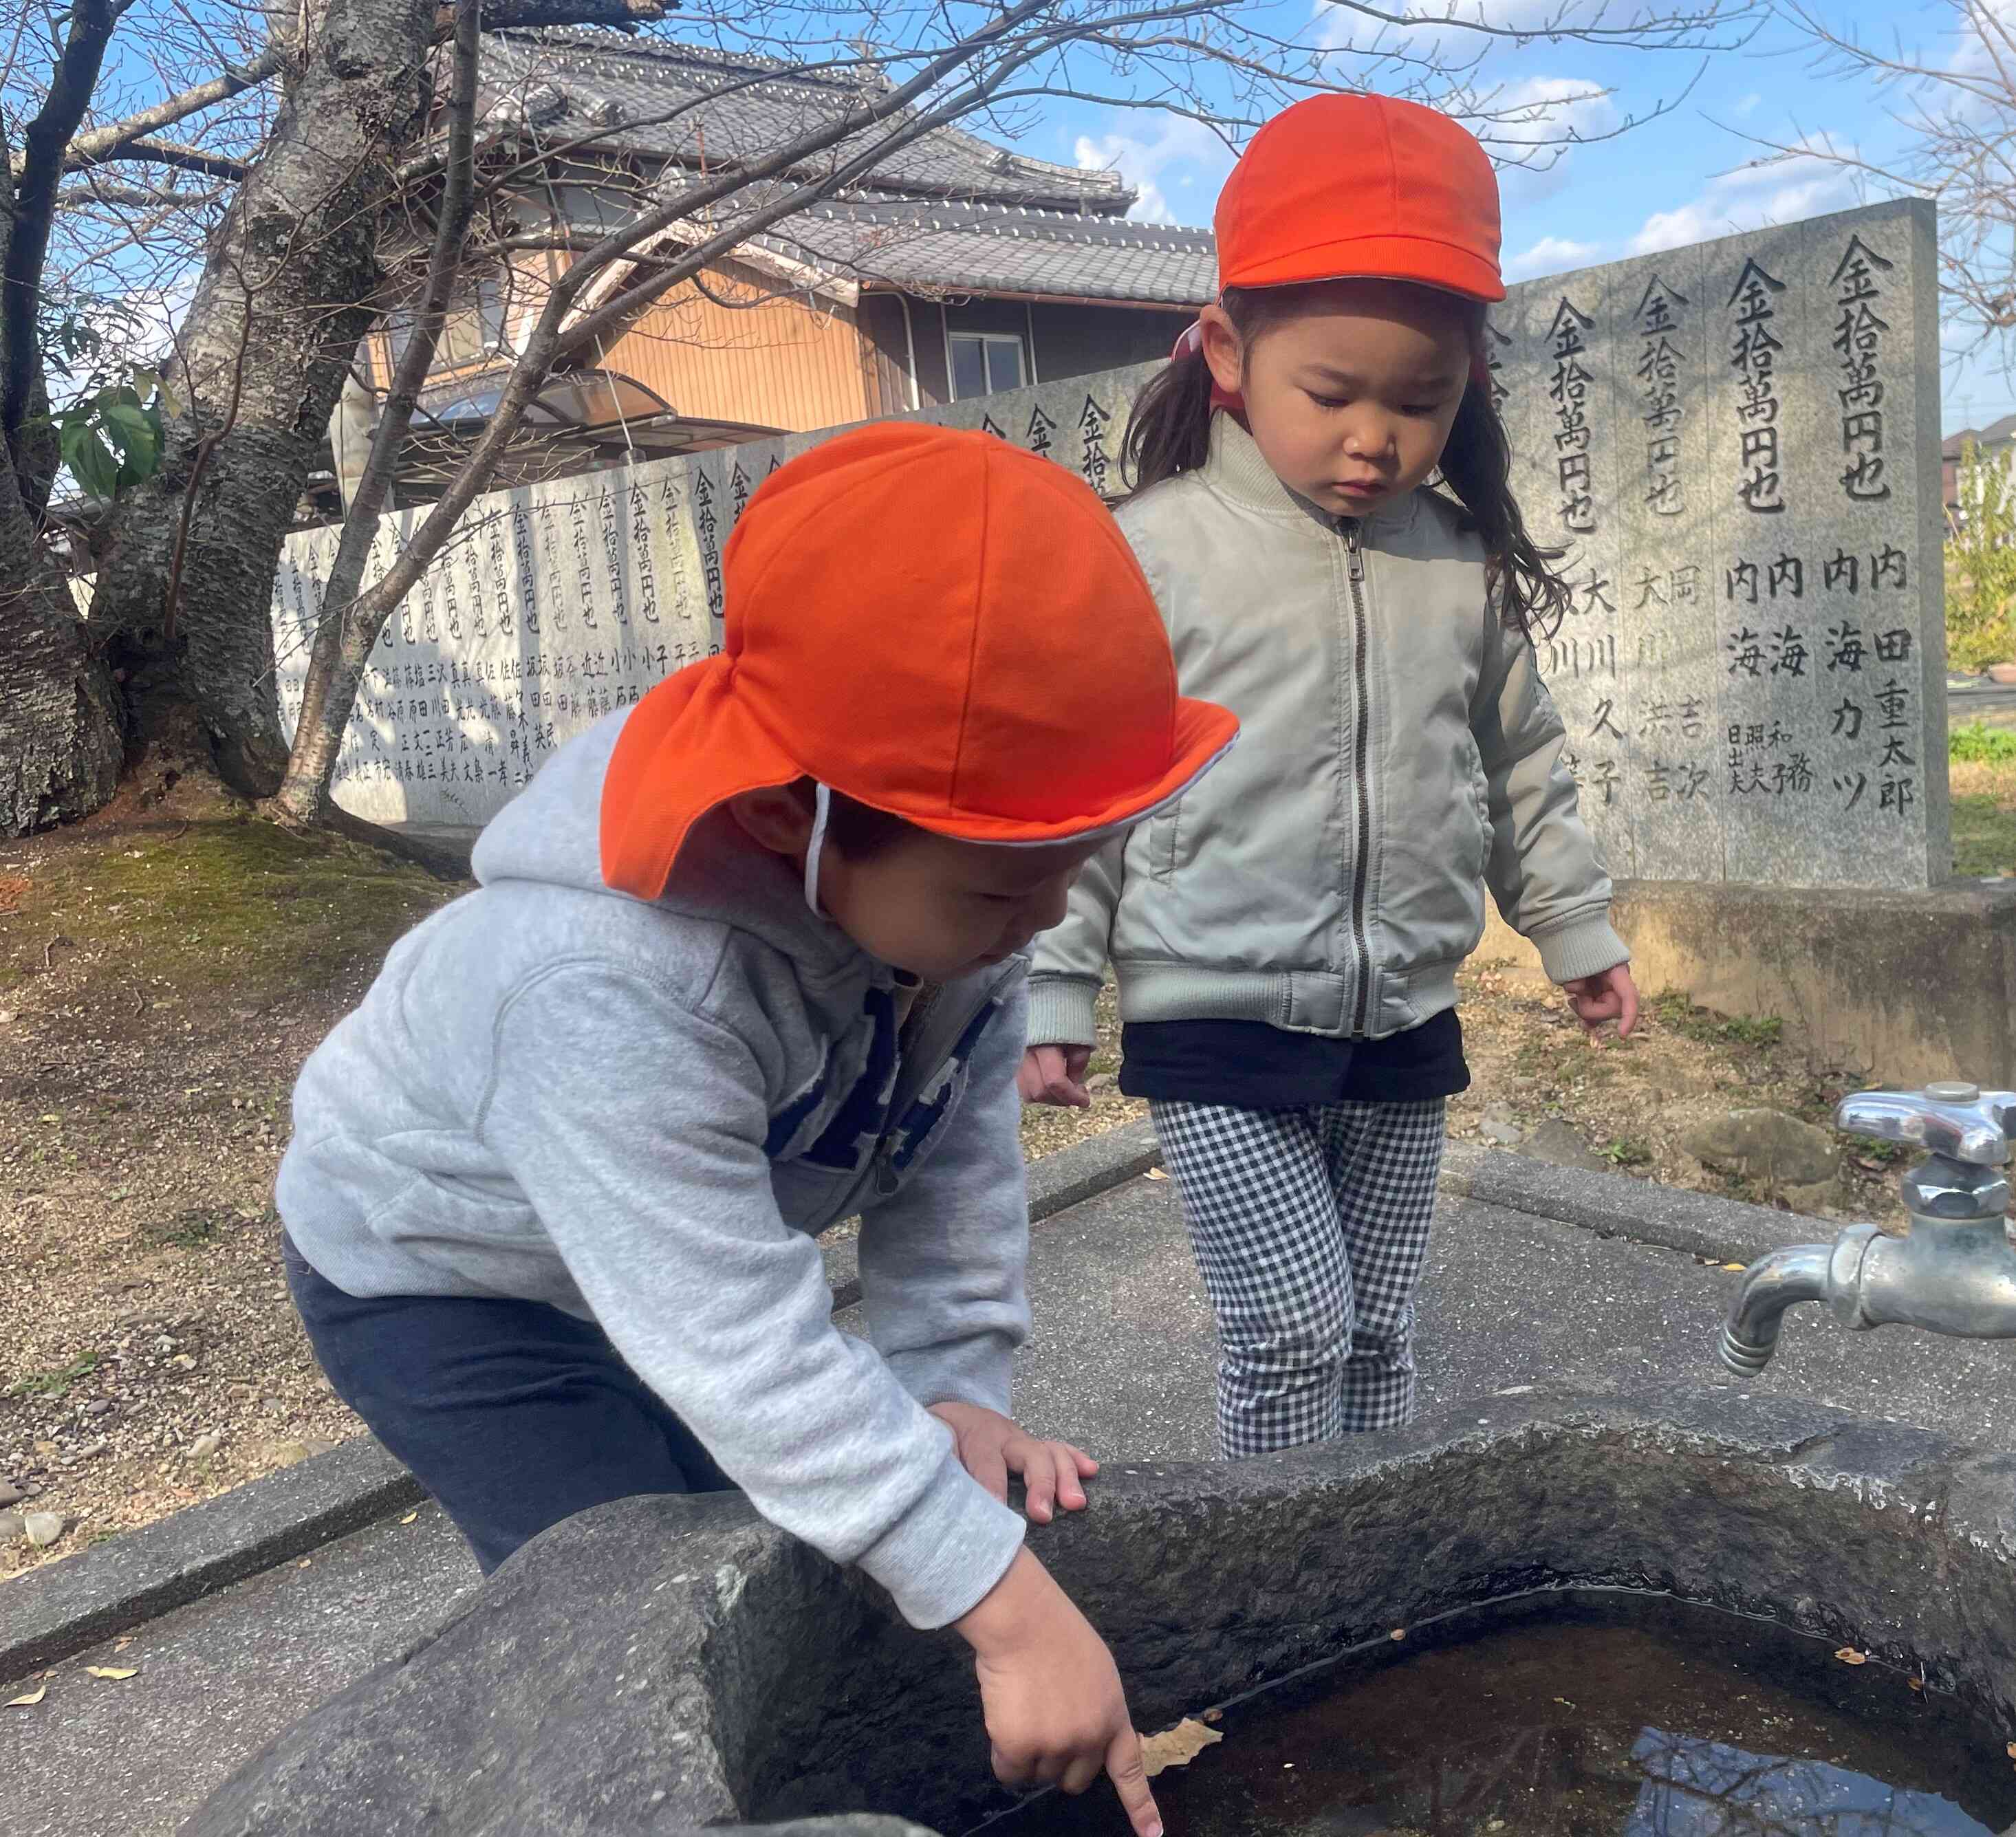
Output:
x=1287 y=937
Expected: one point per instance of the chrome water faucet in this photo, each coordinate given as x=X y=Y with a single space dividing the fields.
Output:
x=1955 y=1272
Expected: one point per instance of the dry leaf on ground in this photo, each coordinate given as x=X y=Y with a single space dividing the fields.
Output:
x=1176 y=1747
x=114 y=1671
x=409 y=1518
x=31 y=1699
x=1848 y=1655
x=1155 y=1173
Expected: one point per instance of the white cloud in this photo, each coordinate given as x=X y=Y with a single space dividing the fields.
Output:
x=1550 y=255
x=1781 y=189
x=1155 y=165
x=1544 y=111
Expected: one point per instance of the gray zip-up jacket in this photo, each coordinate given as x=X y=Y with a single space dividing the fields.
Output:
x=642 y=1112
x=1397 y=751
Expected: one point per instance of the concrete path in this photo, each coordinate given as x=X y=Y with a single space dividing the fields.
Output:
x=1122 y=1363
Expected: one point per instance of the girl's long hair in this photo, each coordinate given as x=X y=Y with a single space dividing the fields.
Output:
x=1170 y=432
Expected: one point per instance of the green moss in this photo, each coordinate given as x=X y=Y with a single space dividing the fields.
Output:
x=225 y=904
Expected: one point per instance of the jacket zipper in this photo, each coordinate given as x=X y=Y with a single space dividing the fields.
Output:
x=1361 y=874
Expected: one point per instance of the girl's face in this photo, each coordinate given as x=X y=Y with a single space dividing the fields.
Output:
x=1350 y=398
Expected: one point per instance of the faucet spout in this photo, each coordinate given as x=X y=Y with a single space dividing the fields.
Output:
x=1786 y=1276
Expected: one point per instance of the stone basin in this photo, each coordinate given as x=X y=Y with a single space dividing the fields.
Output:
x=665 y=1665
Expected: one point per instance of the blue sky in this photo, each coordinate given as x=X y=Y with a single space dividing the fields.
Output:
x=1685 y=177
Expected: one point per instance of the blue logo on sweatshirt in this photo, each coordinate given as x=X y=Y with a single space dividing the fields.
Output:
x=861 y=1124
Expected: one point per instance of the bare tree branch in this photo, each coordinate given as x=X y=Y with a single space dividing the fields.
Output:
x=1957 y=114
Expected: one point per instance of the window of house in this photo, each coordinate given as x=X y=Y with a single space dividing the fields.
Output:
x=984 y=362
x=472 y=328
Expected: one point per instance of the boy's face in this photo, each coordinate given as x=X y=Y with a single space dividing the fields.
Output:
x=941 y=909
x=922 y=902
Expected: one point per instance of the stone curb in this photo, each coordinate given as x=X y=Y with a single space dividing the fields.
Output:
x=51 y=1613
x=1615 y=1205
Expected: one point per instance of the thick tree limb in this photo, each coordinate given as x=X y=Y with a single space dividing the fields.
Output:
x=336 y=660
x=624 y=16
x=138 y=197
x=169 y=153
x=103 y=143
x=116 y=139
x=75 y=78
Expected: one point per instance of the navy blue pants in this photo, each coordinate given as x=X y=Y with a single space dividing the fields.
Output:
x=512 y=1415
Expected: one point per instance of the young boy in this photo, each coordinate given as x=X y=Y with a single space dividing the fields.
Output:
x=741 y=965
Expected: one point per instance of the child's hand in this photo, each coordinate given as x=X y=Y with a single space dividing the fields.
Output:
x=992 y=1446
x=1610 y=996
x=1055 y=1075
x=1055 y=1712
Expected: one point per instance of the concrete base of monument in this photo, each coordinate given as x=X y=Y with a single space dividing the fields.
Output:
x=666 y=1665
x=1900 y=987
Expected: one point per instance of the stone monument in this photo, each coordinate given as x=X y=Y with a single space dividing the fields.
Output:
x=1737 y=445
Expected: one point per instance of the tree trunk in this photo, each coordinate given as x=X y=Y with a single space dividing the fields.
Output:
x=185 y=590
x=60 y=745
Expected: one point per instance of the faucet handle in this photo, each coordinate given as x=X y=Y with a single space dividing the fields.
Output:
x=1958 y=1120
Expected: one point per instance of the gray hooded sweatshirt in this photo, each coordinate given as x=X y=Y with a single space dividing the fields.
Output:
x=642 y=1112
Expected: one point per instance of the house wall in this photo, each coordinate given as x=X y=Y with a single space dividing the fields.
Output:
x=785 y=363
x=1081 y=340
x=1070 y=340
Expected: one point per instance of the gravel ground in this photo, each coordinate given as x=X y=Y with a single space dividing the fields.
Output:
x=161 y=979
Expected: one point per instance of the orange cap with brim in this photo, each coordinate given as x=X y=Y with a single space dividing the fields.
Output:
x=1361 y=187
x=931 y=622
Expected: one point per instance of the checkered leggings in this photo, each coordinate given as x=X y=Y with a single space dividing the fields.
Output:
x=1310 y=1225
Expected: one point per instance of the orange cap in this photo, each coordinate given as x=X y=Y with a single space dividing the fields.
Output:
x=1361 y=186
x=936 y=624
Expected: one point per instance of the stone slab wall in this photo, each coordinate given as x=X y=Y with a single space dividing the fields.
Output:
x=1737 y=444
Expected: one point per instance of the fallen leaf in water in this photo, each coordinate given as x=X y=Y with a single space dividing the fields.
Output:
x=1398 y=1633
x=31 y=1699
x=409 y=1518
x=1917 y=1684
x=1176 y=1747
x=1848 y=1655
x=114 y=1671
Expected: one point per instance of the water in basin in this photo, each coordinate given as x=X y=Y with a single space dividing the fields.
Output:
x=1589 y=1715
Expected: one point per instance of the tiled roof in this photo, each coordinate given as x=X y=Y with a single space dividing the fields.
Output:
x=579 y=81
x=995 y=249
x=1996 y=434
